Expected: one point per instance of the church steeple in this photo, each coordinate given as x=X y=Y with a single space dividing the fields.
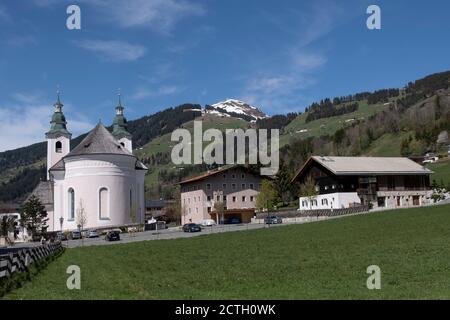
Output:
x=58 y=124
x=120 y=126
x=58 y=137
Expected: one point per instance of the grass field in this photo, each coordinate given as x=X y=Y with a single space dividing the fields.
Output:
x=441 y=171
x=311 y=261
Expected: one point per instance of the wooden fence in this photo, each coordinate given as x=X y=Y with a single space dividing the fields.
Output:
x=314 y=213
x=21 y=259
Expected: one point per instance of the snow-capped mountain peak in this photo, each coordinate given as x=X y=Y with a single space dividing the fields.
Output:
x=236 y=108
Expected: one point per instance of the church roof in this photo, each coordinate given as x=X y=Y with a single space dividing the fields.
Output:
x=99 y=141
x=44 y=192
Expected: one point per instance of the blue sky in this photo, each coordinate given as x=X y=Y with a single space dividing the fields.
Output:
x=277 y=55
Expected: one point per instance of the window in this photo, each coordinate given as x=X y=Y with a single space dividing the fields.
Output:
x=233 y=176
x=208 y=198
x=208 y=186
x=131 y=200
x=103 y=203
x=71 y=206
x=224 y=198
x=324 y=202
x=196 y=210
x=224 y=176
x=243 y=198
x=243 y=186
x=234 y=199
x=58 y=146
x=224 y=186
x=252 y=198
x=209 y=209
x=251 y=186
x=243 y=176
x=218 y=198
x=233 y=186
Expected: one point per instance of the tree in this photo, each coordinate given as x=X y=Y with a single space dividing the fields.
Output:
x=267 y=196
x=33 y=216
x=308 y=189
x=7 y=224
x=81 y=217
x=219 y=207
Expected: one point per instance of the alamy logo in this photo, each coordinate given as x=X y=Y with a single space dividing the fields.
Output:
x=374 y=280
x=239 y=145
x=73 y=21
x=374 y=20
x=74 y=280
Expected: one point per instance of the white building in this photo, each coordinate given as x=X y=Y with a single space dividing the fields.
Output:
x=99 y=179
x=343 y=182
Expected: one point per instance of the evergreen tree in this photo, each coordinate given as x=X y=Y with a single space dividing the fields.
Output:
x=33 y=216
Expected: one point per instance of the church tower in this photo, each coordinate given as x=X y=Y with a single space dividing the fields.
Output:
x=58 y=138
x=120 y=130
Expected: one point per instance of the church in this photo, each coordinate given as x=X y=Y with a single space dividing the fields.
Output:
x=98 y=184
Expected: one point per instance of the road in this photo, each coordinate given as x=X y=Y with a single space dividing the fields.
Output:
x=171 y=233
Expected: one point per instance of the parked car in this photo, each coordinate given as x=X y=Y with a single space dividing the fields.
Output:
x=273 y=220
x=112 y=236
x=208 y=223
x=234 y=220
x=92 y=234
x=61 y=236
x=76 y=235
x=191 y=227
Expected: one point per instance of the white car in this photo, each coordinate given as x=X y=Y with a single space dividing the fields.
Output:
x=208 y=223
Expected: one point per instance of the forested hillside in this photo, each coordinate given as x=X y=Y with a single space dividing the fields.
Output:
x=386 y=122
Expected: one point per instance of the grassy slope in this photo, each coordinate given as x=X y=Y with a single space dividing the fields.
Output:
x=327 y=126
x=441 y=171
x=318 y=260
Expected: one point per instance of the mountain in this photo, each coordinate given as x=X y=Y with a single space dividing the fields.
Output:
x=236 y=108
x=386 y=122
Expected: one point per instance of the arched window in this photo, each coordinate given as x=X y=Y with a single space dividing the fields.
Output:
x=58 y=146
x=71 y=202
x=103 y=208
x=131 y=200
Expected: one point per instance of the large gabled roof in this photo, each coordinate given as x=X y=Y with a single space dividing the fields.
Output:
x=367 y=166
x=99 y=141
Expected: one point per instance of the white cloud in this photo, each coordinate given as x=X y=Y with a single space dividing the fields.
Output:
x=111 y=50
x=21 y=40
x=142 y=93
x=281 y=92
x=26 y=119
x=4 y=14
x=159 y=15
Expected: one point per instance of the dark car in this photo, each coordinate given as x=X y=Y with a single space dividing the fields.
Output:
x=76 y=235
x=61 y=236
x=273 y=220
x=112 y=236
x=234 y=220
x=192 y=227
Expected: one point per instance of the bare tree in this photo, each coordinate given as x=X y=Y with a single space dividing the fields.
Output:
x=81 y=218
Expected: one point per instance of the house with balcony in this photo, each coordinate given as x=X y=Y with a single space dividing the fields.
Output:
x=343 y=182
x=220 y=194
